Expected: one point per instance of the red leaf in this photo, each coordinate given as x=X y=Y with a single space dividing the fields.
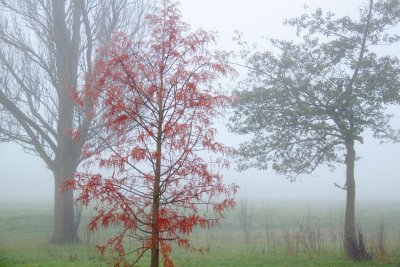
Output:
x=156 y=101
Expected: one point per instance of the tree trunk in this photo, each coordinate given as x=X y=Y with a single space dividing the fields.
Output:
x=155 y=250
x=66 y=40
x=155 y=233
x=65 y=228
x=350 y=236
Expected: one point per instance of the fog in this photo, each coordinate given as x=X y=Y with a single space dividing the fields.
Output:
x=25 y=176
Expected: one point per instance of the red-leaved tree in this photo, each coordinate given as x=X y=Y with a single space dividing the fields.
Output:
x=158 y=103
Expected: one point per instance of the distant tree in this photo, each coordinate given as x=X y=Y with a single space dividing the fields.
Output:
x=158 y=104
x=46 y=50
x=312 y=102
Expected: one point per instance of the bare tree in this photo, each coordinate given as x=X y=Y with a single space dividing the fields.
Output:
x=46 y=51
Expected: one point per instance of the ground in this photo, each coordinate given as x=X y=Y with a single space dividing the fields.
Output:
x=261 y=233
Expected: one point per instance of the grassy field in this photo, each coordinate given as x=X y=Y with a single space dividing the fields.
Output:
x=262 y=233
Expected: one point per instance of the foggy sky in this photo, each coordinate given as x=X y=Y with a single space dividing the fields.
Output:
x=377 y=172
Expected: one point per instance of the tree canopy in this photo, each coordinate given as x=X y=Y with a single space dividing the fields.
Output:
x=302 y=104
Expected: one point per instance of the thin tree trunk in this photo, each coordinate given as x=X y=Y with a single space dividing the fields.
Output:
x=155 y=233
x=350 y=236
x=155 y=250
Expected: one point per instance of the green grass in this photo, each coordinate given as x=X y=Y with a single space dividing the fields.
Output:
x=282 y=234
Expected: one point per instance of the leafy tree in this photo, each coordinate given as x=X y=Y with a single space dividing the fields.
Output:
x=310 y=104
x=158 y=104
x=46 y=49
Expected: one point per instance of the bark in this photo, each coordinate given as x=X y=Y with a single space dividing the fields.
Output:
x=354 y=248
x=155 y=234
x=65 y=228
x=350 y=236
x=65 y=164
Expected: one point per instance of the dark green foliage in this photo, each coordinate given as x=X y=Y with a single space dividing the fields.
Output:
x=304 y=103
x=309 y=104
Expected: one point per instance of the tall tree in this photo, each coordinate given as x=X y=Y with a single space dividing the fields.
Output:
x=310 y=104
x=159 y=104
x=46 y=50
